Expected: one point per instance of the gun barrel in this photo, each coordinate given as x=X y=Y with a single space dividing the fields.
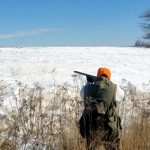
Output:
x=81 y=73
x=87 y=75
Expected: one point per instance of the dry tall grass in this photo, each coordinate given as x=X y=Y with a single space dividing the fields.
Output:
x=48 y=120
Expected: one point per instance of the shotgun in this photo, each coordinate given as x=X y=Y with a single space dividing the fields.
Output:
x=89 y=77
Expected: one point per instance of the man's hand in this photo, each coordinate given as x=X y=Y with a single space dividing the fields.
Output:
x=89 y=79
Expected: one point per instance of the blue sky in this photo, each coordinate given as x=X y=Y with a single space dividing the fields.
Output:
x=71 y=22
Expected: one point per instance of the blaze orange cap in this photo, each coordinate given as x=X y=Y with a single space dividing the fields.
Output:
x=105 y=71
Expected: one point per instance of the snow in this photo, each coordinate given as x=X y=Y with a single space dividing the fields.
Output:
x=48 y=65
x=28 y=74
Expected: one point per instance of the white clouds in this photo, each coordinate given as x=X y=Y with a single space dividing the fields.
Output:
x=28 y=33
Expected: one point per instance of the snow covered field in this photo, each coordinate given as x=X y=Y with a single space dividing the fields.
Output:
x=48 y=64
x=23 y=103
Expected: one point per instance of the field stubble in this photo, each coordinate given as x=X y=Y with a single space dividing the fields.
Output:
x=48 y=119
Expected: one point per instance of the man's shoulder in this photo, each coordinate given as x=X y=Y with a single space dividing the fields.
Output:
x=104 y=82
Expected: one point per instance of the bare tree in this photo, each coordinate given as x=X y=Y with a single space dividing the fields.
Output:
x=146 y=24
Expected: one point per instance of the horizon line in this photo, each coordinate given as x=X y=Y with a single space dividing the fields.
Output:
x=61 y=46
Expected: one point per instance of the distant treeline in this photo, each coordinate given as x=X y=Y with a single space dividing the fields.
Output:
x=139 y=43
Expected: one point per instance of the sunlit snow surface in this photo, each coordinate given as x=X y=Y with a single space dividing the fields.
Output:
x=48 y=65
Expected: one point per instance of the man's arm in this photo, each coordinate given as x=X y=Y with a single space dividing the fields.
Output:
x=82 y=90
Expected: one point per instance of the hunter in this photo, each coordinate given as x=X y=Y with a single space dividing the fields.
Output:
x=100 y=123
